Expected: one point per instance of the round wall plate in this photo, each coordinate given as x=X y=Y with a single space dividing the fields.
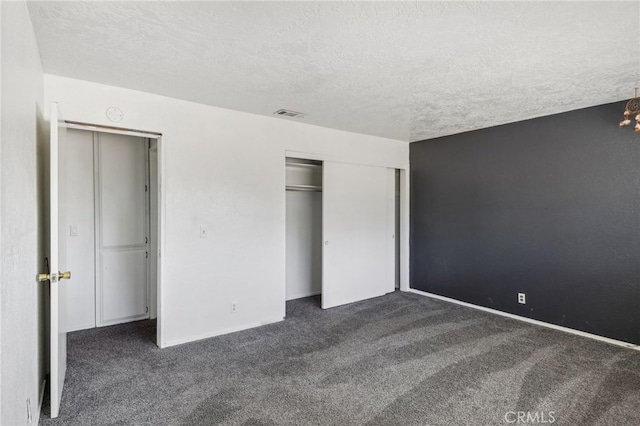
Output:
x=114 y=114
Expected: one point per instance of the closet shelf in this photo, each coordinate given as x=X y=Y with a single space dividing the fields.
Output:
x=303 y=165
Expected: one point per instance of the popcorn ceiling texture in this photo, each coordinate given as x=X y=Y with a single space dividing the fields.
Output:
x=402 y=70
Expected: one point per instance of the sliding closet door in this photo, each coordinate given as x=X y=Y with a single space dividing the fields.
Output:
x=355 y=232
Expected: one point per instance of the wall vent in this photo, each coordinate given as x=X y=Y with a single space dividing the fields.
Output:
x=289 y=113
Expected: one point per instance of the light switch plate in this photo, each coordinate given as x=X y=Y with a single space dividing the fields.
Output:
x=73 y=230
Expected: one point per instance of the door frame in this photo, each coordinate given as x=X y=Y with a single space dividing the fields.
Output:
x=160 y=207
x=99 y=279
x=404 y=204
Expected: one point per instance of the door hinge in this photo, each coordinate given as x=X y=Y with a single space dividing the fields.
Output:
x=146 y=254
x=146 y=310
x=145 y=188
x=146 y=240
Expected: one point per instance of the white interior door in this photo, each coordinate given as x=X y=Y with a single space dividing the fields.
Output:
x=356 y=255
x=57 y=259
x=122 y=229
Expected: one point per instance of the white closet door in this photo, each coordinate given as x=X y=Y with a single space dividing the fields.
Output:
x=391 y=230
x=122 y=264
x=355 y=232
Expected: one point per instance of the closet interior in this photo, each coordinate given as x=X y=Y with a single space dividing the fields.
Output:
x=303 y=228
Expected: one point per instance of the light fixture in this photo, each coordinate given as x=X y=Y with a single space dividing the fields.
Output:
x=632 y=107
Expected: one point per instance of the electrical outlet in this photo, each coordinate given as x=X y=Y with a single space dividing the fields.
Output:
x=234 y=307
x=522 y=298
x=203 y=232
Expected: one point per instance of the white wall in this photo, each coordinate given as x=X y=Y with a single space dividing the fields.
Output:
x=225 y=170
x=22 y=338
x=1 y=197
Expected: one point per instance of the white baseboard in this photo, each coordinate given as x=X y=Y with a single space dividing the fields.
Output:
x=81 y=327
x=169 y=343
x=530 y=321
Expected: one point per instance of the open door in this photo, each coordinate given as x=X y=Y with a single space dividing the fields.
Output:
x=356 y=256
x=57 y=260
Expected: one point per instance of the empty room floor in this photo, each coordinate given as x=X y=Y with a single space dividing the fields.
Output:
x=401 y=359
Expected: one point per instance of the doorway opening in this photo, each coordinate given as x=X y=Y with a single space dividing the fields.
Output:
x=113 y=234
x=304 y=230
x=342 y=232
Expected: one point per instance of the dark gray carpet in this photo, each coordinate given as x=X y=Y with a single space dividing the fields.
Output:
x=402 y=359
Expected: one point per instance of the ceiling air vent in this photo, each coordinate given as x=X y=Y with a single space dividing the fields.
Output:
x=289 y=113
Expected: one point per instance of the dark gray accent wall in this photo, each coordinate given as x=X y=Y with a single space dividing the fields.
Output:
x=549 y=207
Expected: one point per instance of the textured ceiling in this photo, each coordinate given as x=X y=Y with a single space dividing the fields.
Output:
x=403 y=70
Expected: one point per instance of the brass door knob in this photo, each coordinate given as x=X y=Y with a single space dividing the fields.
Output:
x=60 y=276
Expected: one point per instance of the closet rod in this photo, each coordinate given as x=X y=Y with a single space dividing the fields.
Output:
x=305 y=188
